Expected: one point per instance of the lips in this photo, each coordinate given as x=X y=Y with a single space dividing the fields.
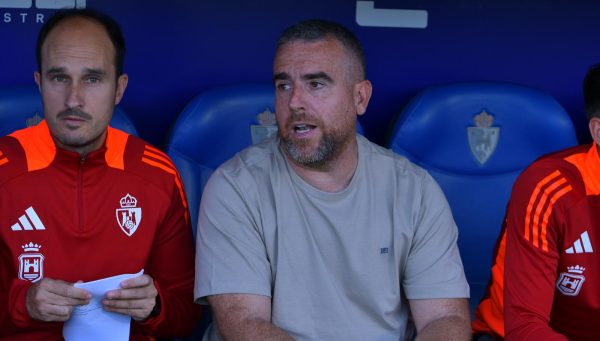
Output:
x=303 y=128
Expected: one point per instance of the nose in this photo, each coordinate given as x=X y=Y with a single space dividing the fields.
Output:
x=74 y=97
x=297 y=98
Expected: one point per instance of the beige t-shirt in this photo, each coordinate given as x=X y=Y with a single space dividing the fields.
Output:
x=338 y=266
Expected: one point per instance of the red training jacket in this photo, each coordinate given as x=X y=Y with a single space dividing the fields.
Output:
x=118 y=210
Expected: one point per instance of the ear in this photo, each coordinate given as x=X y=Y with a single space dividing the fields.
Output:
x=121 y=86
x=38 y=80
x=594 y=126
x=362 y=95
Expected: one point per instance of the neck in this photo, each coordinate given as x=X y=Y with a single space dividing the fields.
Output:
x=335 y=175
x=84 y=149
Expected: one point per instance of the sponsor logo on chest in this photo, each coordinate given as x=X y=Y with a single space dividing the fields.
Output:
x=129 y=215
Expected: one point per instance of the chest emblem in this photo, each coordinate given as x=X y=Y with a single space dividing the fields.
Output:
x=569 y=283
x=31 y=263
x=129 y=215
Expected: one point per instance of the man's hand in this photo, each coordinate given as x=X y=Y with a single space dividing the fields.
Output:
x=53 y=300
x=136 y=298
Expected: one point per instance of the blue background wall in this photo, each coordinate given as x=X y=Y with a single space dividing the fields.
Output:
x=179 y=48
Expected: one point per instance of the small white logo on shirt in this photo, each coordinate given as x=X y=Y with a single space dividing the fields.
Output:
x=28 y=222
x=31 y=263
x=129 y=216
x=569 y=283
x=581 y=245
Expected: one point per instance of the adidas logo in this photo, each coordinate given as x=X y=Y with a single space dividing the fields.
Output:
x=581 y=245
x=28 y=222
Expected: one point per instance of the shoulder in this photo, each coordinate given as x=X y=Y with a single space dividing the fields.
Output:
x=13 y=160
x=555 y=171
x=148 y=162
x=386 y=164
x=254 y=162
x=139 y=159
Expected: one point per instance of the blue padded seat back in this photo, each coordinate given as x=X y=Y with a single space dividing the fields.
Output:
x=214 y=126
x=476 y=163
x=21 y=107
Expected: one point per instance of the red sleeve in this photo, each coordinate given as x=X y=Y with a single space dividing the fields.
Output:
x=531 y=254
x=13 y=313
x=171 y=265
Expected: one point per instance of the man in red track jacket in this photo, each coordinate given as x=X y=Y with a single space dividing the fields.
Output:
x=545 y=284
x=80 y=201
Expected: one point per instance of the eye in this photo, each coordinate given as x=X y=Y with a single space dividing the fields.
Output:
x=316 y=84
x=92 y=80
x=59 y=78
x=282 y=86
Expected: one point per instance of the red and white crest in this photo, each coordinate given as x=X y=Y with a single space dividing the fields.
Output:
x=129 y=216
x=31 y=263
x=569 y=283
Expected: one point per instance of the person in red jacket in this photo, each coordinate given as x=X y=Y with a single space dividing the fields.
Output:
x=544 y=281
x=81 y=201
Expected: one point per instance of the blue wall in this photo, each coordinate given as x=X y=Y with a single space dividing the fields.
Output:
x=178 y=48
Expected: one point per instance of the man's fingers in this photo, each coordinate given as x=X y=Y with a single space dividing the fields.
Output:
x=58 y=312
x=66 y=289
x=67 y=301
x=136 y=314
x=140 y=281
x=137 y=309
x=128 y=304
x=53 y=300
x=137 y=298
x=132 y=294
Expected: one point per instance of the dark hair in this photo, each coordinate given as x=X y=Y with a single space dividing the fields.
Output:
x=317 y=29
x=110 y=25
x=591 y=92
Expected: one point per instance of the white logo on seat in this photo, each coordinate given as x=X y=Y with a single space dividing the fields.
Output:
x=569 y=283
x=31 y=263
x=28 y=222
x=483 y=138
x=581 y=245
x=129 y=216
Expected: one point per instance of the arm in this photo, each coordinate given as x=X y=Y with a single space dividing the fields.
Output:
x=529 y=271
x=245 y=317
x=433 y=278
x=441 y=319
x=170 y=271
x=34 y=305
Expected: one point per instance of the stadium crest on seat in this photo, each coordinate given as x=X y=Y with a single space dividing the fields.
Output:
x=267 y=126
x=483 y=137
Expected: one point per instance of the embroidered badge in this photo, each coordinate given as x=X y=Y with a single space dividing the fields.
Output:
x=31 y=263
x=569 y=283
x=483 y=138
x=129 y=216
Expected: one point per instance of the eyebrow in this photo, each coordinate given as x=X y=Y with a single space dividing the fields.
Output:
x=317 y=75
x=308 y=76
x=88 y=71
x=281 y=76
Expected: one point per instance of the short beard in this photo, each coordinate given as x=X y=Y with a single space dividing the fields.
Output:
x=326 y=151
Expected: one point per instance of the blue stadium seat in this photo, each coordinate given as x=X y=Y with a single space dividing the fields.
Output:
x=214 y=126
x=475 y=138
x=21 y=107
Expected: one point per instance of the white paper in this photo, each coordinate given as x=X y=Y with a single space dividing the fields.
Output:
x=91 y=321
